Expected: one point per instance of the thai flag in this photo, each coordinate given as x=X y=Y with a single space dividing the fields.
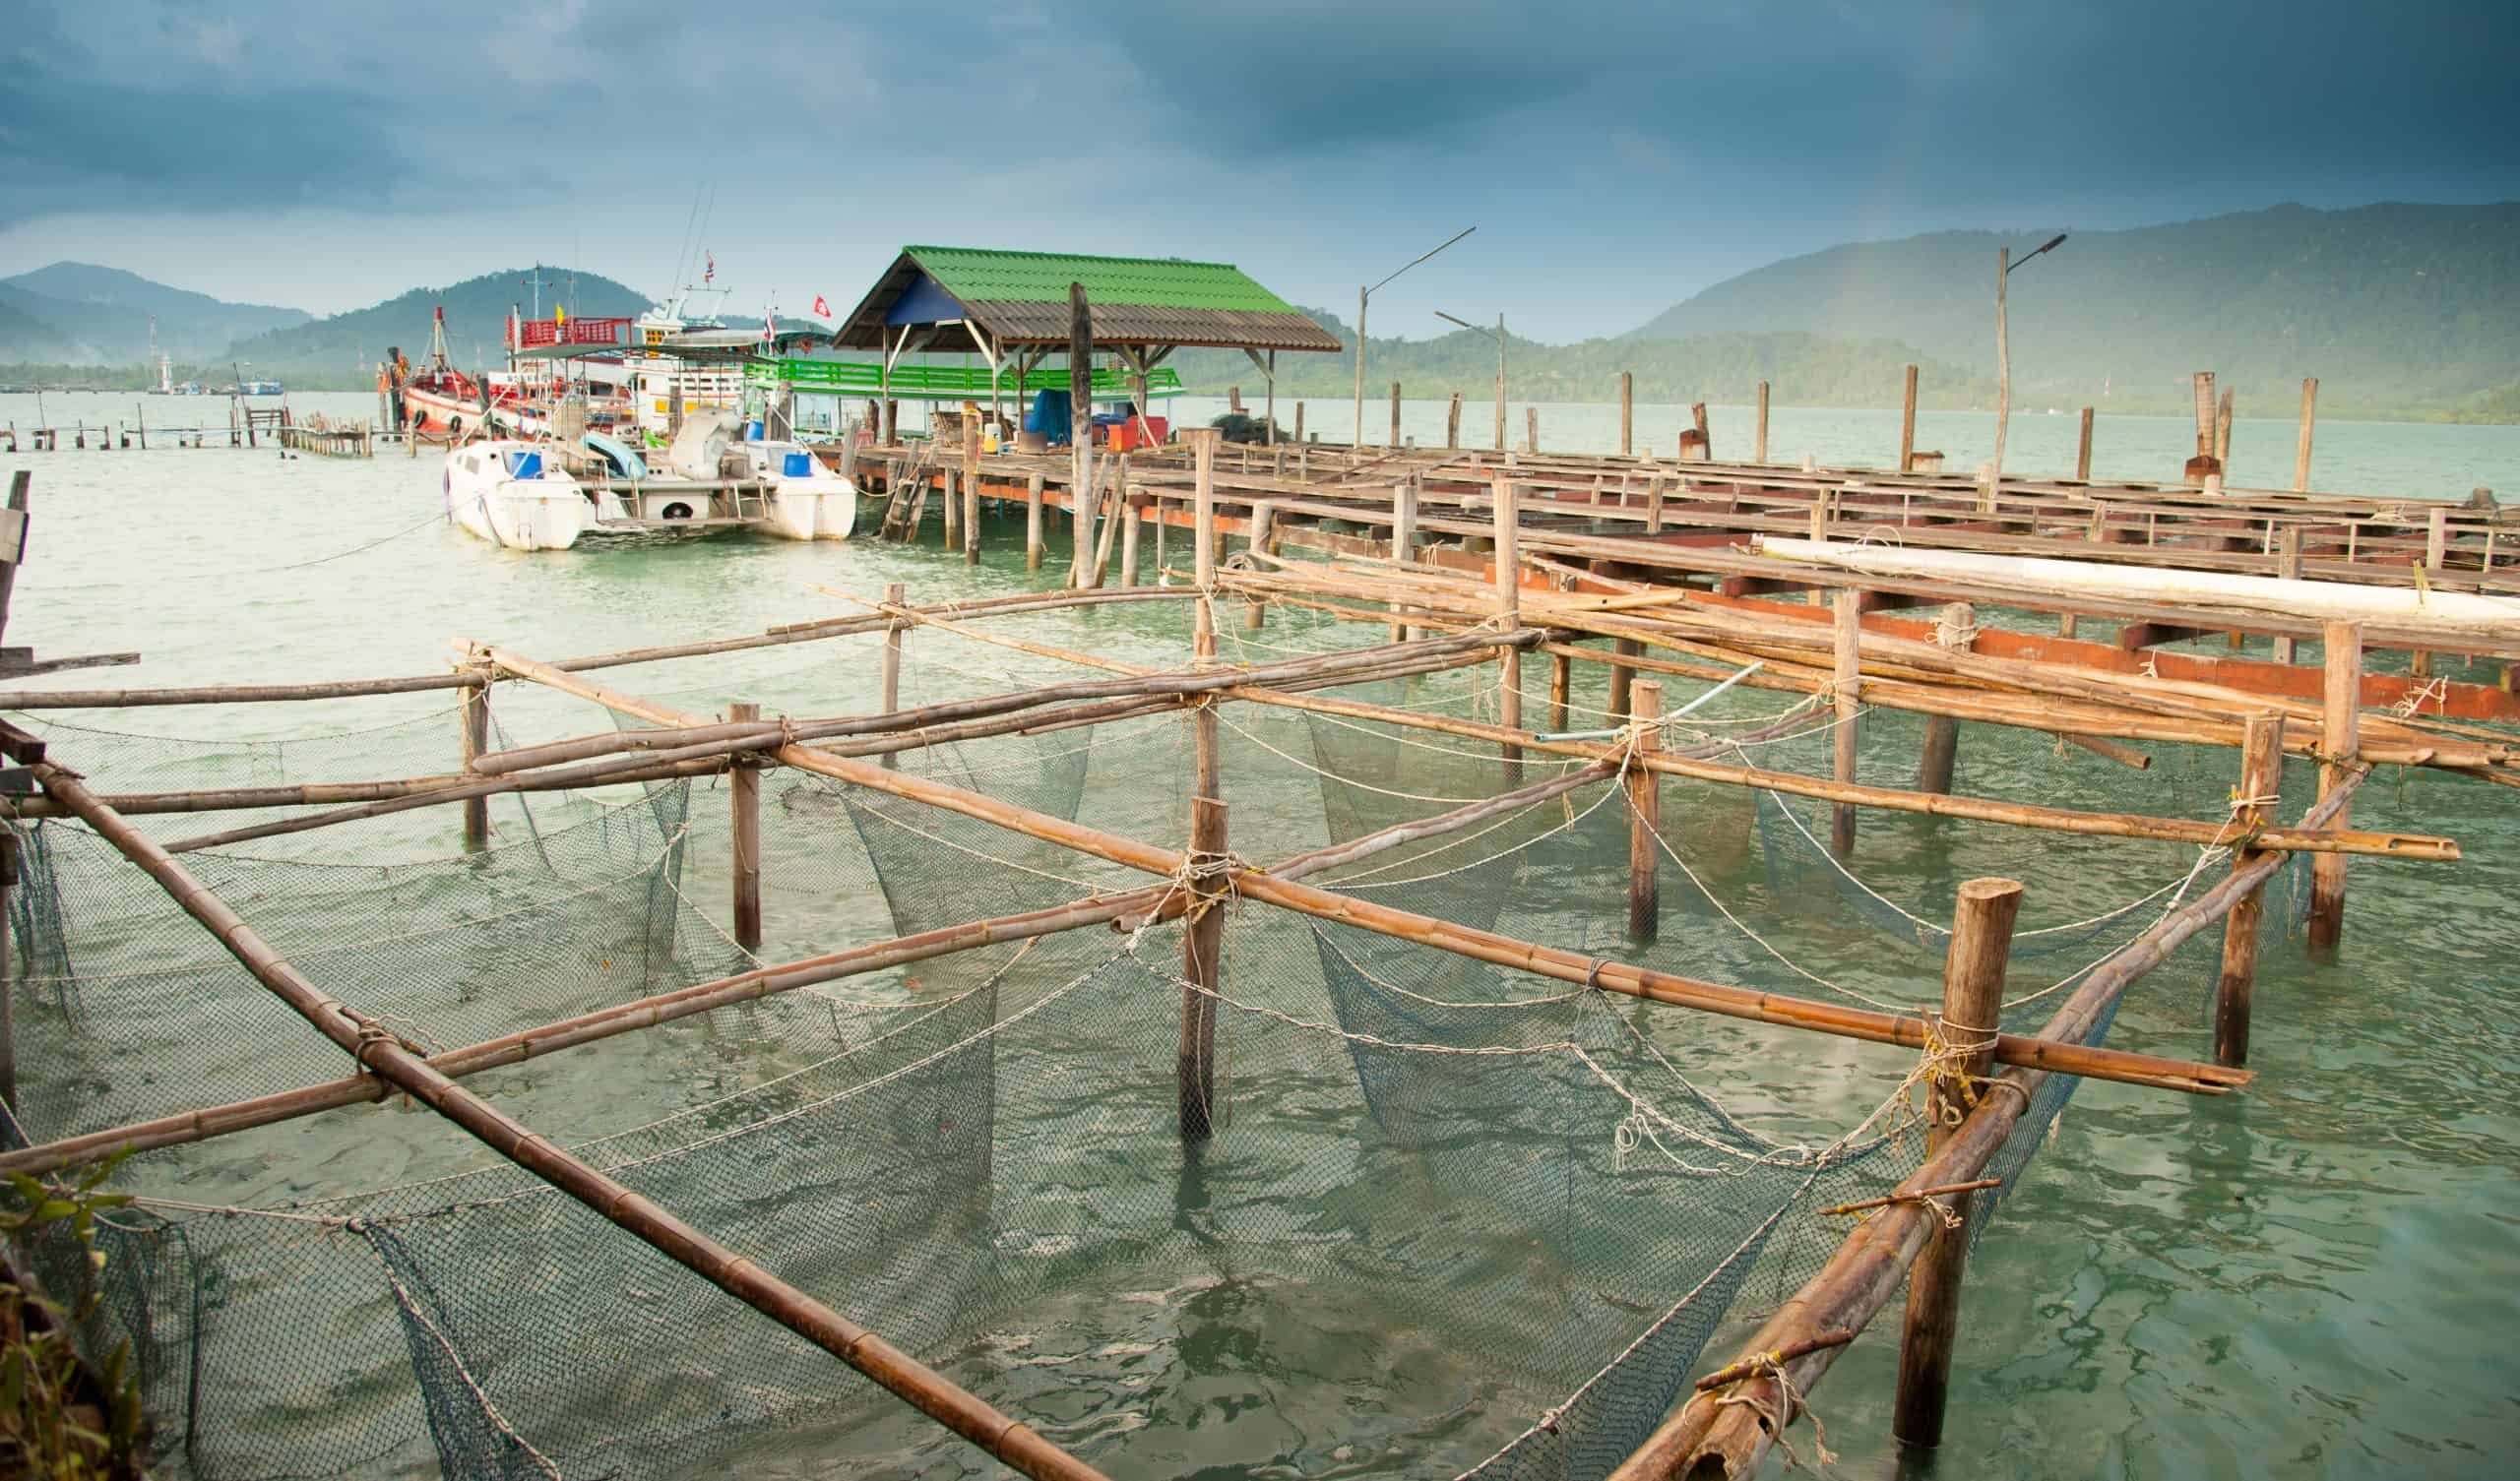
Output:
x=712 y=275
x=769 y=323
x=822 y=309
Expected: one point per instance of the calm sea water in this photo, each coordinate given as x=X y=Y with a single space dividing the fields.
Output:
x=2318 y=1278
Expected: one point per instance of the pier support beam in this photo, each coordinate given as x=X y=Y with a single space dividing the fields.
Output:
x=1132 y=522
x=2340 y=743
x=1622 y=677
x=1645 y=815
x=474 y=714
x=1452 y=424
x=1908 y=424
x=744 y=786
x=895 y=595
x=1847 y=691
x=1561 y=680
x=970 y=489
x=2302 y=449
x=2261 y=772
x=1404 y=539
x=1264 y=541
x=1032 y=543
x=2081 y=450
x=1080 y=422
x=1956 y=629
x=1626 y=414
x=1509 y=608
x=1972 y=993
x=1759 y=432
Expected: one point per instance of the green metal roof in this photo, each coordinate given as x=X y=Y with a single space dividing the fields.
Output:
x=977 y=274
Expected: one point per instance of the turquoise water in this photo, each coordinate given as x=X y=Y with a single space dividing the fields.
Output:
x=2317 y=1277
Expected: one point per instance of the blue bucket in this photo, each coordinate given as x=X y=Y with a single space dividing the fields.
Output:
x=798 y=465
x=753 y=431
x=524 y=465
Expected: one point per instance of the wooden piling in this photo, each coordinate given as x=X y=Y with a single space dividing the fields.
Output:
x=1626 y=414
x=1395 y=413
x=1080 y=422
x=2288 y=566
x=1957 y=629
x=1623 y=676
x=2081 y=450
x=1132 y=518
x=2261 y=773
x=2340 y=744
x=1645 y=815
x=1972 y=991
x=895 y=595
x=1202 y=957
x=474 y=716
x=1759 y=430
x=1531 y=429
x=1561 y=684
x=1509 y=606
x=971 y=486
x=1203 y=461
x=1033 y=549
x=1907 y=423
x=2437 y=552
x=2302 y=449
x=7 y=981
x=1264 y=541
x=744 y=787
x=2222 y=429
x=1452 y=423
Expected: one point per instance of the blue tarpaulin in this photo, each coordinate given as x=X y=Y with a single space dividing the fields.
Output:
x=1048 y=416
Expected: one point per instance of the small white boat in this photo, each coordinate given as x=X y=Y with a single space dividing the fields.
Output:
x=509 y=494
x=799 y=497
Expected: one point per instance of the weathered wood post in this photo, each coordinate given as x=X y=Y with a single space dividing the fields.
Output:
x=2340 y=744
x=970 y=489
x=2203 y=466
x=2436 y=550
x=1956 y=629
x=1531 y=429
x=1203 y=553
x=1509 y=608
x=2223 y=430
x=1973 y=994
x=2261 y=772
x=1908 y=424
x=2081 y=450
x=1645 y=815
x=1394 y=414
x=475 y=717
x=1759 y=433
x=1033 y=547
x=1264 y=541
x=1561 y=684
x=1705 y=433
x=2287 y=565
x=1079 y=424
x=1626 y=414
x=1404 y=539
x=744 y=776
x=1622 y=677
x=1452 y=423
x=1131 y=519
x=895 y=595
x=1847 y=691
x=2302 y=449
x=1201 y=956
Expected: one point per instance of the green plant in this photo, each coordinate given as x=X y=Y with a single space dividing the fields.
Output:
x=57 y=1421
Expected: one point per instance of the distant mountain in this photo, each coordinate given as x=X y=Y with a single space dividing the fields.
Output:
x=23 y=336
x=476 y=311
x=1804 y=369
x=2392 y=306
x=102 y=314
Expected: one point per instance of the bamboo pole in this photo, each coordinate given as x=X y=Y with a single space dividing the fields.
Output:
x=1972 y=996
x=2310 y=420
x=476 y=730
x=1202 y=965
x=2340 y=745
x=1846 y=696
x=2261 y=772
x=1080 y=405
x=744 y=791
x=1626 y=414
x=1706 y=1438
x=1485 y=946
x=744 y=987
x=374 y=1046
x=1203 y=457
x=1509 y=594
x=1759 y=432
x=1645 y=817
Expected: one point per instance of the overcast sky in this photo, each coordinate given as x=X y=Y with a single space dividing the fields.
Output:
x=1615 y=157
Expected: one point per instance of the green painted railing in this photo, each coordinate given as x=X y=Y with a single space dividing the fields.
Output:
x=943 y=383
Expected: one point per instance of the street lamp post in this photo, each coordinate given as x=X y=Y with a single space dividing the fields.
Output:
x=1363 y=294
x=2003 y=357
x=1499 y=335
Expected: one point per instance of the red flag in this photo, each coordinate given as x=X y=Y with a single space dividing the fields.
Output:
x=712 y=275
x=822 y=309
x=768 y=325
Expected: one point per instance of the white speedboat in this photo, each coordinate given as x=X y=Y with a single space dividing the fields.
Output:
x=779 y=486
x=511 y=494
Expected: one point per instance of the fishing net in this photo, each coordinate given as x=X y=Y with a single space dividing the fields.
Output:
x=1453 y=1219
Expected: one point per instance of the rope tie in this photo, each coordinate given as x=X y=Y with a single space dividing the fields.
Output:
x=1777 y=1413
x=2437 y=691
